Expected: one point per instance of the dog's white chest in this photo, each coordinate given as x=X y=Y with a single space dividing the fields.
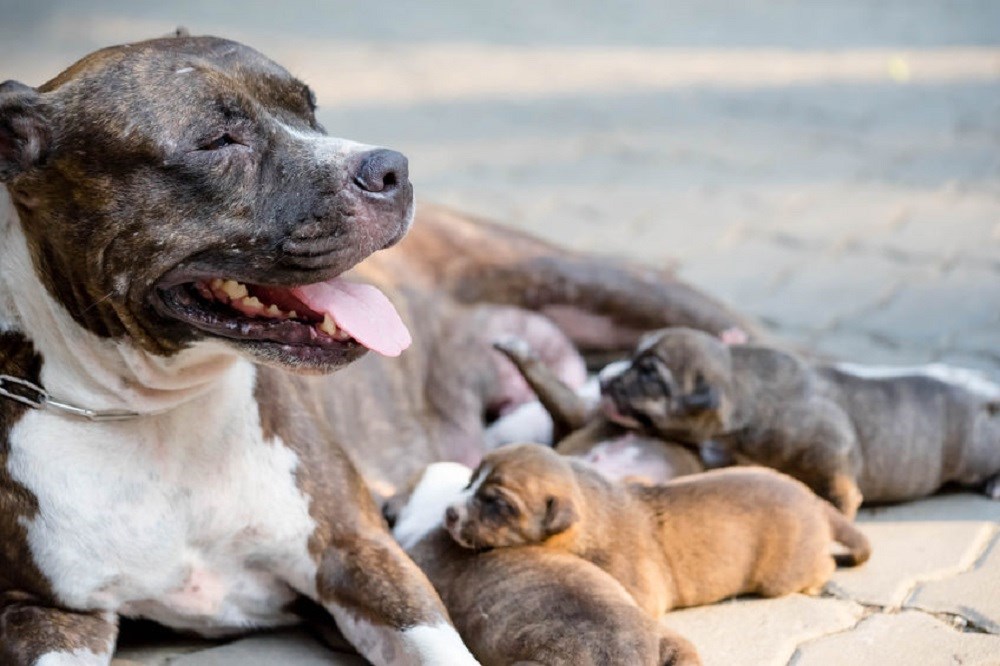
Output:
x=190 y=519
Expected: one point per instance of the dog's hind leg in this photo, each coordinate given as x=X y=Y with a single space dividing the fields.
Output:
x=38 y=635
x=603 y=304
x=568 y=410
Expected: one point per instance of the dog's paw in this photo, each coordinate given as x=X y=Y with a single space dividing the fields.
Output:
x=514 y=346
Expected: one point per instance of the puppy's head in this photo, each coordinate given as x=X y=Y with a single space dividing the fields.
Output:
x=519 y=494
x=675 y=386
x=181 y=190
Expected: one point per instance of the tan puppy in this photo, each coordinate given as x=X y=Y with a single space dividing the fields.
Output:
x=528 y=605
x=847 y=431
x=692 y=541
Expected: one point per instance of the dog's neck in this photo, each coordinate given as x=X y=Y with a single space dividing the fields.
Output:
x=761 y=379
x=82 y=368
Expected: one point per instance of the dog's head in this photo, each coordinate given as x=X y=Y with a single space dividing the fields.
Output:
x=676 y=386
x=519 y=494
x=181 y=189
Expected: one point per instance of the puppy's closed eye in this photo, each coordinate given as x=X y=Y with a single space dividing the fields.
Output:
x=495 y=502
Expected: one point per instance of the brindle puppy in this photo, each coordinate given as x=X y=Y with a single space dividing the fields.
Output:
x=847 y=431
x=526 y=605
x=692 y=541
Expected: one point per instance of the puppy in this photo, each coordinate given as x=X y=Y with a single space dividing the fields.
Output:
x=692 y=541
x=527 y=605
x=572 y=421
x=847 y=431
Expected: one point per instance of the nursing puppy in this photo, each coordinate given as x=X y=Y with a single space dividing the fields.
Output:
x=527 y=605
x=572 y=421
x=689 y=542
x=847 y=431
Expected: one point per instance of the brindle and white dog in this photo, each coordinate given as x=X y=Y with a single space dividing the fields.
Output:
x=174 y=231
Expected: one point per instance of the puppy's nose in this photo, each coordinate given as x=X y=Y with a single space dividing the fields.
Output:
x=450 y=515
x=382 y=171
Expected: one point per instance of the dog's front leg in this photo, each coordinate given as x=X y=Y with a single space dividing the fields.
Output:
x=32 y=634
x=384 y=604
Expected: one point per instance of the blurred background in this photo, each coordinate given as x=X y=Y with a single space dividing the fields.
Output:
x=830 y=167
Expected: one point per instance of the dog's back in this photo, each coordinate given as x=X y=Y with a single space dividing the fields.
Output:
x=919 y=427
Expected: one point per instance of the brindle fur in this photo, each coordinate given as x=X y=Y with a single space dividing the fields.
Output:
x=112 y=196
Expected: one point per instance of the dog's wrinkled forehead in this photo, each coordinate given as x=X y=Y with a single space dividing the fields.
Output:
x=159 y=89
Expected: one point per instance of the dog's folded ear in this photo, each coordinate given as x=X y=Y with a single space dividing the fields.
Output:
x=24 y=130
x=560 y=514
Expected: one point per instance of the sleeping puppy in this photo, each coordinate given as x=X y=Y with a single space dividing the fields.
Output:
x=526 y=605
x=572 y=421
x=692 y=541
x=847 y=431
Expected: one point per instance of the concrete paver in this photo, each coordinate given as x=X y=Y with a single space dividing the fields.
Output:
x=902 y=556
x=829 y=167
x=974 y=594
x=281 y=648
x=904 y=638
x=761 y=631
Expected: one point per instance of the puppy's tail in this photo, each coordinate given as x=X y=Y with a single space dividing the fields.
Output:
x=859 y=549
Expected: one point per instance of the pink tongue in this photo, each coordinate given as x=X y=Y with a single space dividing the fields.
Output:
x=361 y=310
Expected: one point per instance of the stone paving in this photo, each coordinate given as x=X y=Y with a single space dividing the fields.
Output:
x=832 y=168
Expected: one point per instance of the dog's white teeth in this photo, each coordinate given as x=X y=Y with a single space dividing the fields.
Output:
x=252 y=306
x=293 y=315
x=234 y=290
x=328 y=326
x=342 y=335
x=274 y=312
x=216 y=284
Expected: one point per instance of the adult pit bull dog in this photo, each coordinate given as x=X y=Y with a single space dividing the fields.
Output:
x=527 y=605
x=696 y=540
x=848 y=431
x=174 y=231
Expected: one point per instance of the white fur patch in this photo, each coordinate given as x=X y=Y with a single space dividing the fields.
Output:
x=437 y=644
x=612 y=370
x=971 y=380
x=531 y=422
x=81 y=657
x=169 y=517
x=423 y=645
x=440 y=485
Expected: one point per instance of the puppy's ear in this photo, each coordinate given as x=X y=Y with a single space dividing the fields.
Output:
x=24 y=130
x=703 y=398
x=560 y=514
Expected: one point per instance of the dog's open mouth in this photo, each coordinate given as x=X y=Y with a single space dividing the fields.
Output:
x=333 y=314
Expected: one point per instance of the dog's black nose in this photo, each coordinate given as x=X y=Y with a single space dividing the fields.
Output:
x=451 y=516
x=382 y=171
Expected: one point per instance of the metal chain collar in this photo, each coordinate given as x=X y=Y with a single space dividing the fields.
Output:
x=36 y=397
